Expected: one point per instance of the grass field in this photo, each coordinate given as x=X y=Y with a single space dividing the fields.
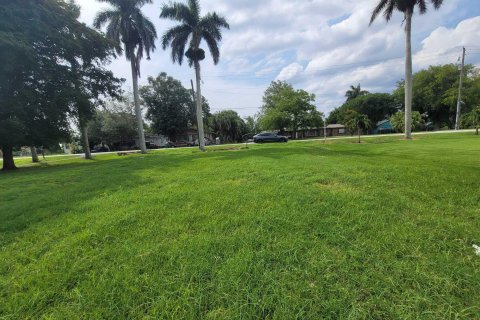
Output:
x=378 y=230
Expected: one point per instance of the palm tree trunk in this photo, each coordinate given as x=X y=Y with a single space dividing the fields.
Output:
x=33 y=150
x=138 y=112
x=85 y=143
x=408 y=75
x=8 y=162
x=201 y=134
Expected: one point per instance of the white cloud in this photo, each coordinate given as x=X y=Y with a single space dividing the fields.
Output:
x=319 y=45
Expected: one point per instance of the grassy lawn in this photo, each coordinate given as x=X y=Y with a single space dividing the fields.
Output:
x=380 y=230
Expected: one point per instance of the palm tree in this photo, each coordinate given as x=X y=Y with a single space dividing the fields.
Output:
x=407 y=7
x=128 y=26
x=192 y=30
x=358 y=121
x=355 y=92
x=475 y=118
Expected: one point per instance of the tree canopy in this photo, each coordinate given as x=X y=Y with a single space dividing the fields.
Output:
x=287 y=108
x=228 y=125
x=435 y=92
x=52 y=70
x=170 y=106
x=376 y=106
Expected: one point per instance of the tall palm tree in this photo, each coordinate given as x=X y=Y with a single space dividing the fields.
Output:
x=192 y=30
x=406 y=7
x=355 y=92
x=128 y=26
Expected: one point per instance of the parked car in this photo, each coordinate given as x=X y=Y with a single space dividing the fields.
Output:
x=269 y=137
x=179 y=144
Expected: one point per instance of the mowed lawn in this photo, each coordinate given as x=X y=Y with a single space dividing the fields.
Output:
x=378 y=230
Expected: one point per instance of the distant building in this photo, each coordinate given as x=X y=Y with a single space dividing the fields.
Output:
x=332 y=130
x=384 y=126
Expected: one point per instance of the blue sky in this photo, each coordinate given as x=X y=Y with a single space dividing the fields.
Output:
x=322 y=46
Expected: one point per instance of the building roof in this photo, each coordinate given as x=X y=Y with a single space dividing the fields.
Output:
x=335 y=126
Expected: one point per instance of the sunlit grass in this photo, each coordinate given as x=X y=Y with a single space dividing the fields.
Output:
x=378 y=230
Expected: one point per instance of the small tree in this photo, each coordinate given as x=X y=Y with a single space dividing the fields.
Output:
x=473 y=119
x=228 y=125
x=398 y=121
x=357 y=121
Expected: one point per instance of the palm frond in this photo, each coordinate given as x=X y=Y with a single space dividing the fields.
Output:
x=178 y=12
x=378 y=9
x=437 y=3
x=171 y=33
x=212 y=46
x=103 y=17
x=422 y=5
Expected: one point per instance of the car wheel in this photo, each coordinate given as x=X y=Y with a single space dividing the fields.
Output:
x=284 y=140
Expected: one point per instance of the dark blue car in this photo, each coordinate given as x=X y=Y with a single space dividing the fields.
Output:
x=269 y=137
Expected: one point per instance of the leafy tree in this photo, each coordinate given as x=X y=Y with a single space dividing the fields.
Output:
x=435 y=92
x=52 y=70
x=168 y=105
x=355 y=92
x=252 y=125
x=406 y=7
x=113 y=124
x=377 y=107
x=284 y=107
x=472 y=119
x=228 y=125
x=358 y=121
x=192 y=30
x=127 y=25
x=398 y=121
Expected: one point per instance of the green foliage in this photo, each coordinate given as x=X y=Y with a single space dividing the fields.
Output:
x=472 y=119
x=252 y=125
x=377 y=107
x=192 y=30
x=398 y=121
x=435 y=92
x=287 y=108
x=52 y=69
x=128 y=26
x=168 y=105
x=355 y=92
x=357 y=121
x=228 y=125
x=113 y=124
x=284 y=231
x=388 y=7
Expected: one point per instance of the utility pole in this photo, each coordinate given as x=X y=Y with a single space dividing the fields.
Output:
x=459 y=100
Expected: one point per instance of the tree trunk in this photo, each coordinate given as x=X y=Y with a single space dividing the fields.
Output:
x=358 y=131
x=476 y=131
x=408 y=75
x=85 y=143
x=33 y=150
x=138 y=111
x=8 y=162
x=201 y=134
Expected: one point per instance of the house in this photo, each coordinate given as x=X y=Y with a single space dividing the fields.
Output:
x=384 y=126
x=331 y=130
x=336 y=129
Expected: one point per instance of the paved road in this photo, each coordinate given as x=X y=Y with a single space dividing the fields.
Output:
x=304 y=140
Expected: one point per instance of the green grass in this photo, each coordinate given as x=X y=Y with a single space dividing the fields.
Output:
x=380 y=230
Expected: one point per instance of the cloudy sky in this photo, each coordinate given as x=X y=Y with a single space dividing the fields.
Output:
x=322 y=46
